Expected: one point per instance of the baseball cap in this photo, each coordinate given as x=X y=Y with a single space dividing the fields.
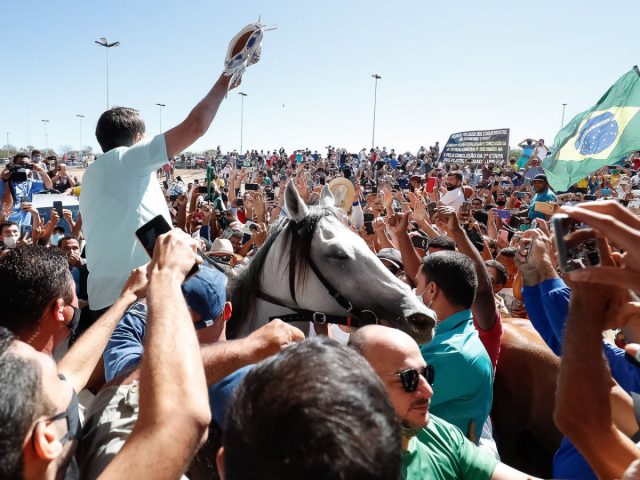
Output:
x=391 y=255
x=540 y=177
x=206 y=292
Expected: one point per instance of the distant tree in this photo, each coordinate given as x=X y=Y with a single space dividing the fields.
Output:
x=65 y=149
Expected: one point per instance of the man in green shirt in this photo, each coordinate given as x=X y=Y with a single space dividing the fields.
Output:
x=432 y=448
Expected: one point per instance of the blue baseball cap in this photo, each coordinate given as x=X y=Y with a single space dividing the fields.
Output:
x=206 y=292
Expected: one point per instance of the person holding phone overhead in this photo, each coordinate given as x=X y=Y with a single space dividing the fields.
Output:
x=112 y=211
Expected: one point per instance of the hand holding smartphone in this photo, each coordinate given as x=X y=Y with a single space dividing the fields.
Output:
x=149 y=233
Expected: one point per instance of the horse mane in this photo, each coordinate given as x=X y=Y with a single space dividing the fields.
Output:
x=245 y=287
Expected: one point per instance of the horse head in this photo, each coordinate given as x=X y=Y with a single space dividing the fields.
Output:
x=312 y=262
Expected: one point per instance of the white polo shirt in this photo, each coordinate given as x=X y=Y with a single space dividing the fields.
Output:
x=120 y=193
x=452 y=198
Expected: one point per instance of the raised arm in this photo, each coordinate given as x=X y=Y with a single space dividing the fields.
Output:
x=79 y=362
x=584 y=385
x=198 y=121
x=174 y=404
x=484 y=305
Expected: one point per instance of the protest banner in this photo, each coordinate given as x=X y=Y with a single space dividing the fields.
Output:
x=476 y=146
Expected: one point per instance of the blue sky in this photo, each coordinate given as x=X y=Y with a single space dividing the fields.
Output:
x=446 y=66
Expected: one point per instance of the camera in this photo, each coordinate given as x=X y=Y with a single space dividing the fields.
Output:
x=18 y=173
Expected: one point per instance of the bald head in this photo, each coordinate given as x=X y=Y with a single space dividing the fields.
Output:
x=384 y=347
x=391 y=352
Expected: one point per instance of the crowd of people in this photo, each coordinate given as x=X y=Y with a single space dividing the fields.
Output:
x=116 y=362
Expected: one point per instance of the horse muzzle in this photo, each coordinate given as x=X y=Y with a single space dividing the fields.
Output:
x=420 y=324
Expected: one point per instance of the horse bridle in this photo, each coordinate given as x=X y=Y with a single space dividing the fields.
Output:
x=355 y=317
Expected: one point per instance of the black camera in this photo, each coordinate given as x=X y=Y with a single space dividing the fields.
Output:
x=19 y=173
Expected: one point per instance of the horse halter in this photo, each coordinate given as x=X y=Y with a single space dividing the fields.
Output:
x=356 y=318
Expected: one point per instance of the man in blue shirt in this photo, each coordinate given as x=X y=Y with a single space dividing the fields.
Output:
x=15 y=190
x=463 y=388
x=543 y=194
x=546 y=299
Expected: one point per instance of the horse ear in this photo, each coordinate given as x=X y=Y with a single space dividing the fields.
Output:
x=326 y=197
x=296 y=208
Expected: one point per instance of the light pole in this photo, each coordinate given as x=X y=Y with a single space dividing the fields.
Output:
x=46 y=136
x=7 y=143
x=375 y=98
x=160 y=105
x=564 y=105
x=242 y=94
x=103 y=42
x=80 y=117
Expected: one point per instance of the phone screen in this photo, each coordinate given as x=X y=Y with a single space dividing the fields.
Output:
x=150 y=231
x=576 y=247
x=368 y=225
x=58 y=207
x=251 y=186
x=504 y=214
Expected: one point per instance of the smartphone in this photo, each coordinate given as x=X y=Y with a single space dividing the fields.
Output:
x=368 y=225
x=465 y=208
x=574 y=253
x=520 y=195
x=544 y=207
x=606 y=192
x=150 y=231
x=374 y=189
x=57 y=205
x=251 y=186
x=419 y=241
x=504 y=214
x=165 y=184
x=431 y=209
x=270 y=195
x=322 y=180
x=431 y=183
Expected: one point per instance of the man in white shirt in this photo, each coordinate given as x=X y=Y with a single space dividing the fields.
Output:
x=454 y=196
x=120 y=191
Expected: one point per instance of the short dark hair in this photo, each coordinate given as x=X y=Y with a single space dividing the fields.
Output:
x=118 y=127
x=66 y=238
x=31 y=277
x=8 y=223
x=35 y=152
x=20 y=155
x=456 y=174
x=501 y=272
x=443 y=242
x=455 y=274
x=509 y=252
x=333 y=420
x=22 y=401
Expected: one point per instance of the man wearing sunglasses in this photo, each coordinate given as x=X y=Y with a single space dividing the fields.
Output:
x=432 y=448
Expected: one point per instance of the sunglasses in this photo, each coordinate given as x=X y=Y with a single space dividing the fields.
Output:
x=411 y=377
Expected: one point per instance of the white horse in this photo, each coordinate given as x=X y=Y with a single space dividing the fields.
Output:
x=312 y=268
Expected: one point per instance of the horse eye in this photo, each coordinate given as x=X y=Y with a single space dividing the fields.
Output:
x=338 y=254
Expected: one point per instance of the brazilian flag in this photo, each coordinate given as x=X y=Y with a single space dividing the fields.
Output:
x=600 y=136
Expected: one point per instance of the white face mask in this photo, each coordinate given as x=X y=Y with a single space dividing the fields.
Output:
x=55 y=238
x=10 y=242
x=419 y=295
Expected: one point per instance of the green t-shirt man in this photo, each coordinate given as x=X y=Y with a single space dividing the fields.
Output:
x=441 y=451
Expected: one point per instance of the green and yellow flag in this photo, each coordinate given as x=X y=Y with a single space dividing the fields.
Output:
x=600 y=136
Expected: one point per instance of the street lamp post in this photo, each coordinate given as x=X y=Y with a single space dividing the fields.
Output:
x=242 y=94
x=375 y=97
x=564 y=105
x=46 y=136
x=80 y=117
x=160 y=105
x=103 y=42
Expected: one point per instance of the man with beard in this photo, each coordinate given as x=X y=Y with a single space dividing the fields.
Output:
x=431 y=447
x=454 y=196
x=543 y=194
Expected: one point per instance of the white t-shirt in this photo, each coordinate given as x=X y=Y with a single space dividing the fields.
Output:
x=453 y=198
x=120 y=193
